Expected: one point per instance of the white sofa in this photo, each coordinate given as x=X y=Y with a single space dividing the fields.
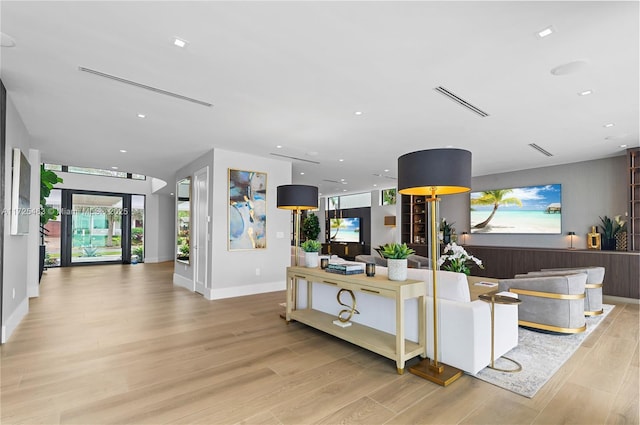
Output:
x=464 y=326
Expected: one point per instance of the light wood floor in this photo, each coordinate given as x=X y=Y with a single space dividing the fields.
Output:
x=121 y=345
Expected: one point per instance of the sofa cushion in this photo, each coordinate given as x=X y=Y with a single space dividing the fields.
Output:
x=451 y=286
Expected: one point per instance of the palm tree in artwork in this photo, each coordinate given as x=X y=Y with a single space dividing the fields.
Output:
x=495 y=198
x=336 y=223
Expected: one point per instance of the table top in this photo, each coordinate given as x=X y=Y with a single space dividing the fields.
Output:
x=499 y=299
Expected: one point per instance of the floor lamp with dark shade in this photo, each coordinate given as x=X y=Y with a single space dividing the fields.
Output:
x=433 y=173
x=297 y=197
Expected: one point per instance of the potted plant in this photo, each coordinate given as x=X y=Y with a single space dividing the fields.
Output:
x=311 y=226
x=48 y=179
x=446 y=229
x=611 y=227
x=396 y=255
x=458 y=260
x=310 y=248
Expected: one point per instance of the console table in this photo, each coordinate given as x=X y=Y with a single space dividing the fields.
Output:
x=394 y=347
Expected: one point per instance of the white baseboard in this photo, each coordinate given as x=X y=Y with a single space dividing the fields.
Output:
x=183 y=282
x=33 y=291
x=239 y=291
x=612 y=298
x=157 y=259
x=14 y=320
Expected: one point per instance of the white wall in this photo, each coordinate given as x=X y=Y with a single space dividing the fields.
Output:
x=381 y=234
x=589 y=189
x=18 y=264
x=236 y=273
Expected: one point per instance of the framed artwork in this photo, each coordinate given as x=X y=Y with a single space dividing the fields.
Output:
x=20 y=194
x=389 y=196
x=247 y=215
x=518 y=210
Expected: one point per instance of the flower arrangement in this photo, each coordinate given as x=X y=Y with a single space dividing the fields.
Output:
x=458 y=260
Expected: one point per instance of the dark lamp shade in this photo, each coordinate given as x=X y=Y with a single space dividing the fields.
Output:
x=571 y=233
x=434 y=171
x=297 y=197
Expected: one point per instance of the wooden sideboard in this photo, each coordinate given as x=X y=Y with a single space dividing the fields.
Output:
x=394 y=347
x=622 y=269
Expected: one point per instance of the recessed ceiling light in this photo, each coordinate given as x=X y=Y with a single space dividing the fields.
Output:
x=279 y=147
x=171 y=194
x=375 y=185
x=341 y=180
x=344 y=190
x=623 y=146
x=142 y=116
x=341 y=160
x=179 y=42
x=545 y=32
x=386 y=170
x=608 y=125
x=585 y=93
x=358 y=112
x=123 y=150
x=302 y=173
x=114 y=168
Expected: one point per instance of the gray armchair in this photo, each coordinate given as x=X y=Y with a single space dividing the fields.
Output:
x=593 y=287
x=552 y=303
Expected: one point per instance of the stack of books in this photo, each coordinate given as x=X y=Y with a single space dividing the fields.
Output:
x=345 y=268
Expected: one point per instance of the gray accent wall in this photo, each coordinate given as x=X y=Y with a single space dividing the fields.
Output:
x=589 y=189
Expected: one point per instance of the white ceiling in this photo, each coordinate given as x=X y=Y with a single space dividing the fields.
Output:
x=294 y=74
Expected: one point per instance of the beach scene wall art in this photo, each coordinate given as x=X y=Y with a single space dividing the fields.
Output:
x=518 y=210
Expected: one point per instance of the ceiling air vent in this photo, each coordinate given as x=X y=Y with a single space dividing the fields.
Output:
x=460 y=101
x=144 y=86
x=294 y=158
x=541 y=150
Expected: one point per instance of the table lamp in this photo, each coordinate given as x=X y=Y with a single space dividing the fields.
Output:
x=571 y=235
x=297 y=197
x=435 y=172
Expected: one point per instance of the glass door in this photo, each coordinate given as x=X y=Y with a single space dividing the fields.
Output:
x=96 y=228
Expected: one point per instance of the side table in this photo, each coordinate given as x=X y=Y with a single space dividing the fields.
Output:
x=494 y=299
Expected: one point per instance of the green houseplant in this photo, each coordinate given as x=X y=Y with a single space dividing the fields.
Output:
x=610 y=228
x=396 y=255
x=48 y=179
x=311 y=226
x=310 y=248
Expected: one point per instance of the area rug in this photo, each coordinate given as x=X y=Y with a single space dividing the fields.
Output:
x=541 y=355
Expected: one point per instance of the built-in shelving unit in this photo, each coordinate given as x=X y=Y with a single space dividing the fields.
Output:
x=414 y=223
x=633 y=228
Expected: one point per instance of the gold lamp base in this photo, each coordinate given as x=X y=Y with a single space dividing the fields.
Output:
x=440 y=374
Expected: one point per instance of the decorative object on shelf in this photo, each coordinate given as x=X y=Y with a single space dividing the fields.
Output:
x=344 y=317
x=458 y=260
x=370 y=269
x=610 y=228
x=446 y=229
x=396 y=255
x=297 y=197
x=324 y=263
x=571 y=235
x=621 y=241
x=431 y=173
x=311 y=248
x=593 y=239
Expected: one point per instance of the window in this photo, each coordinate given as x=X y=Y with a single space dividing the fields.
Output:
x=94 y=171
